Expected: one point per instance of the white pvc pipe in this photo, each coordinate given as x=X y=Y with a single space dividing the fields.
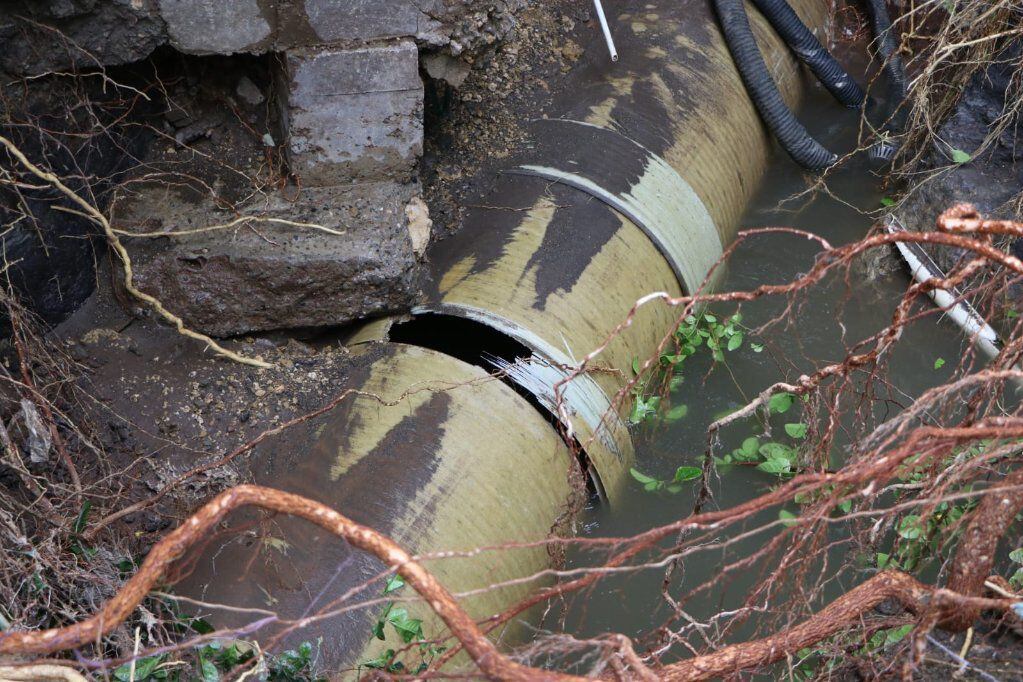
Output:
x=607 y=30
x=961 y=312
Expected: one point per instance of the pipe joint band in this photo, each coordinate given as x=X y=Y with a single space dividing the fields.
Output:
x=637 y=183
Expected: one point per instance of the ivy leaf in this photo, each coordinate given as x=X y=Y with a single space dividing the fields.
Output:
x=83 y=518
x=748 y=451
x=677 y=412
x=777 y=466
x=409 y=629
x=641 y=477
x=1016 y=555
x=687 y=473
x=378 y=630
x=382 y=661
x=796 y=430
x=207 y=668
x=787 y=517
x=735 y=341
x=780 y=403
x=144 y=668
x=394 y=583
x=200 y=625
x=896 y=635
x=775 y=450
x=887 y=201
x=960 y=157
x=757 y=347
x=909 y=527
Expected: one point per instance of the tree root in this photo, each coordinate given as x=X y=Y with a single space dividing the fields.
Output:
x=975 y=554
x=39 y=673
x=841 y=614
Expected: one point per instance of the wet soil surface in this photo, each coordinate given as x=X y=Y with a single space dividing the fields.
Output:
x=162 y=404
x=486 y=117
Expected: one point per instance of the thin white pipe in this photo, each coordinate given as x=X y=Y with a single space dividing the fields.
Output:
x=607 y=30
x=962 y=313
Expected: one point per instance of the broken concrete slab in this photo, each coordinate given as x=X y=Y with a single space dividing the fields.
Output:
x=264 y=275
x=353 y=114
x=205 y=27
x=328 y=21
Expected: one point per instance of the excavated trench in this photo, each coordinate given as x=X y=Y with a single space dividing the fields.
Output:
x=631 y=186
x=633 y=181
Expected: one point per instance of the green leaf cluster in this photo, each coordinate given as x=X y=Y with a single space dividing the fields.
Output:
x=215 y=660
x=682 y=475
x=695 y=333
x=409 y=631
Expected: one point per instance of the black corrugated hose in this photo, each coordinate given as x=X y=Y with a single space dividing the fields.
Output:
x=804 y=43
x=887 y=50
x=800 y=145
x=887 y=47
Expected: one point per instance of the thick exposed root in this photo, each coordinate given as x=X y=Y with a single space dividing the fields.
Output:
x=843 y=613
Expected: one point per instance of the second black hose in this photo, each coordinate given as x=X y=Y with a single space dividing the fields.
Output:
x=762 y=89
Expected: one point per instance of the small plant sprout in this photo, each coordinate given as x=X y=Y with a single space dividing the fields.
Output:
x=682 y=475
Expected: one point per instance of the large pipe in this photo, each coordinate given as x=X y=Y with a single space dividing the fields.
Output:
x=631 y=185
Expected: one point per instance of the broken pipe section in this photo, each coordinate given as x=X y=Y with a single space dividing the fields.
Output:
x=630 y=186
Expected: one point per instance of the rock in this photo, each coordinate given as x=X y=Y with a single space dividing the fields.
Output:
x=325 y=21
x=419 y=224
x=100 y=335
x=443 y=67
x=571 y=51
x=81 y=33
x=353 y=114
x=122 y=31
x=264 y=276
x=249 y=91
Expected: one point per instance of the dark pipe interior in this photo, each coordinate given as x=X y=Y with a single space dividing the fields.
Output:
x=477 y=344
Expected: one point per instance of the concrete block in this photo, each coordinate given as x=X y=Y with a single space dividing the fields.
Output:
x=267 y=275
x=311 y=22
x=353 y=114
x=219 y=27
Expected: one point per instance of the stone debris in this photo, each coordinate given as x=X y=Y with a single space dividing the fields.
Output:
x=249 y=91
x=440 y=66
x=354 y=114
x=327 y=131
x=419 y=225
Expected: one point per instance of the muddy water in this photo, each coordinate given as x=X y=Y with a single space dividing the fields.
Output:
x=828 y=322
